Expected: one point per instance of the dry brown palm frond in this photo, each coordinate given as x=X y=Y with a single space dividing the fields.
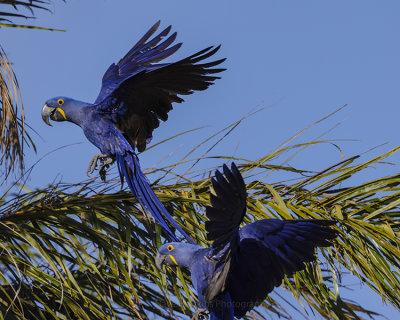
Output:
x=12 y=123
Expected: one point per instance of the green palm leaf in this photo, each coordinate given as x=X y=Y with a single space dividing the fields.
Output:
x=15 y=9
x=85 y=251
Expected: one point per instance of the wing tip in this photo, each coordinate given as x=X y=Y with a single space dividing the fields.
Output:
x=156 y=25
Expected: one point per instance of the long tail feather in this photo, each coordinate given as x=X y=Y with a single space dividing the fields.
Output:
x=129 y=168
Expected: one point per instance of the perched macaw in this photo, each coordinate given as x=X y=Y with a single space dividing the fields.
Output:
x=136 y=93
x=243 y=264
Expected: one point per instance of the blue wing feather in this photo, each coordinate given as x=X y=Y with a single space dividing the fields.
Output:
x=143 y=48
x=268 y=250
x=138 y=59
x=143 y=39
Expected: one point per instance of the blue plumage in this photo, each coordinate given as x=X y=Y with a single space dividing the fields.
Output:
x=243 y=264
x=137 y=93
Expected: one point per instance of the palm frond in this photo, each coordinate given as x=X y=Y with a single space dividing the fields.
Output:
x=13 y=135
x=84 y=251
x=25 y=9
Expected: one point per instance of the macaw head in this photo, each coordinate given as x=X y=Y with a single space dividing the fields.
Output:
x=176 y=254
x=61 y=109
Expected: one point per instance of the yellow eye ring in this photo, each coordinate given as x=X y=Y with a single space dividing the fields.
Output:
x=170 y=247
x=60 y=102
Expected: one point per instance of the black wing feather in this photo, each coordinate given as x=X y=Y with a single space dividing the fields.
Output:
x=138 y=92
x=250 y=262
x=228 y=208
x=148 y=97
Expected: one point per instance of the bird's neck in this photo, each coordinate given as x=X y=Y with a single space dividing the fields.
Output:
x=80 y=112
x=189 y=258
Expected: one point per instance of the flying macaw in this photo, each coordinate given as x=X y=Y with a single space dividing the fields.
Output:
x=136 y=93
x=243 y=265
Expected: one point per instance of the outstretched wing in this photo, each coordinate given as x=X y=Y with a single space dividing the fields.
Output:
x=228 y=207
x=142 y=57
x=268 y=250
x=138 y=92
x=251 y=261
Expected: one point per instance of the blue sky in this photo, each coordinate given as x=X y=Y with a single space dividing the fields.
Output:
x=300 y=60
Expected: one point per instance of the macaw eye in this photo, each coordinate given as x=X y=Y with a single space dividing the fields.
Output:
x=60 y=102
x=170 y=247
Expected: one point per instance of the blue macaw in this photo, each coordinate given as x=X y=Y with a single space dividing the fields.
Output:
x=243 y=265
x=136 y=93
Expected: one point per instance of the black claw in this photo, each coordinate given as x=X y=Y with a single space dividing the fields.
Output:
x=103 y=172
x=105 y=162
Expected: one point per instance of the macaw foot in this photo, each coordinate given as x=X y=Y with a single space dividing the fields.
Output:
x=105 y=162
x=200 y=314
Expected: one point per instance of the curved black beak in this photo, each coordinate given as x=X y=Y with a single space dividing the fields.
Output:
x=46 y=113
x=160 y=258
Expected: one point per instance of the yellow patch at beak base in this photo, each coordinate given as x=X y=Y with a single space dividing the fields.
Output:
x=173 y=259
x=62 y=113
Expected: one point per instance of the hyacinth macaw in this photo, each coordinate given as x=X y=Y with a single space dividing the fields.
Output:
x=137 y=93
x=243 y=264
